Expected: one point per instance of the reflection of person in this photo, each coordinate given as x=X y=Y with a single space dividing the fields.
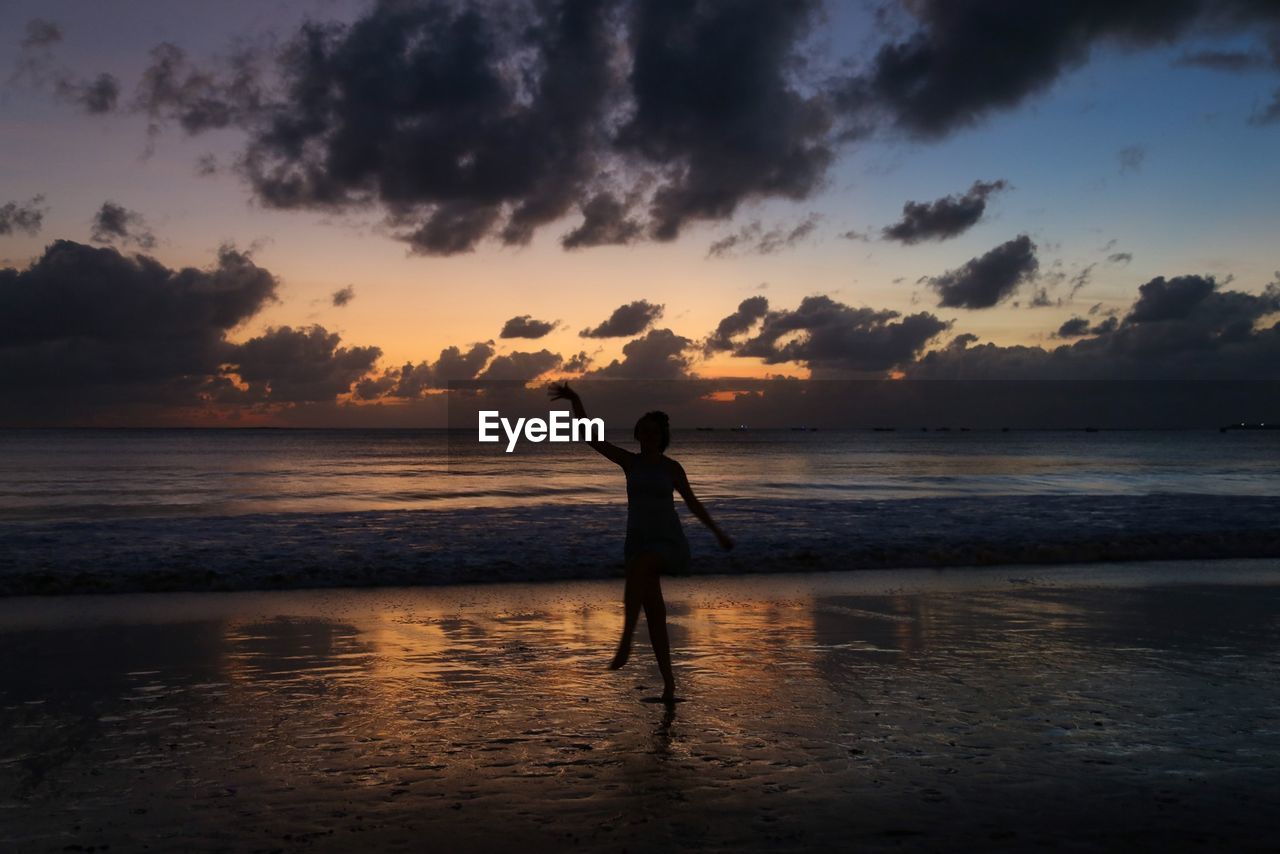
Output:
x=655 y=541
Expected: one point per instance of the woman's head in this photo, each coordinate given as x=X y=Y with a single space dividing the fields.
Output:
x=653 y=430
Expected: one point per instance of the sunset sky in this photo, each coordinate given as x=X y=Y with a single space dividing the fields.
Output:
x=1092 y=188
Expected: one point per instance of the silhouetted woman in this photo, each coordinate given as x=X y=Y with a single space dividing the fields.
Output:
x=655 y=541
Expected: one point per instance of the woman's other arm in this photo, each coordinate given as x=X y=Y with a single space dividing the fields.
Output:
x=681 y=481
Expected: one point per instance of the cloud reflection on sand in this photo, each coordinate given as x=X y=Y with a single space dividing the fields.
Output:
x=820 y=709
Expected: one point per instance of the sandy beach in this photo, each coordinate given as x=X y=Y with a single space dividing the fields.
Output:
x=1093 y=707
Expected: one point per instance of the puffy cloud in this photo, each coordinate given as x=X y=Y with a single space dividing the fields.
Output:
x=115 y=223
x=984 y=281
x=578 y=363
x=630 y=319
x=1174 y=299
x=521 y=367
x=524 y=326
x=342 y=296
x=755 y=239
x=411 y=381
x=944 y=218
x=750 y=311
x=287 y=365
x=1184 y=328
x=25 y=216
x=659 y=355
x=965 y=59
x=829 y=336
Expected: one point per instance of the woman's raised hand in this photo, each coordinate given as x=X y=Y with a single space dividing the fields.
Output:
x=561 y=391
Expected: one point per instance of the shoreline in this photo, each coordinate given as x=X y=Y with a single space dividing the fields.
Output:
x=575 y=542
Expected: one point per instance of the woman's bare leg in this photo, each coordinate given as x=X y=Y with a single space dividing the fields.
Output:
x=631 y=600
x=655 y=616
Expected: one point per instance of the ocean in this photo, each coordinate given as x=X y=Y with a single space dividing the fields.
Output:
x=105 y=510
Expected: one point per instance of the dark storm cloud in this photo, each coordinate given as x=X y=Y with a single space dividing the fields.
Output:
x=659 y=355
x=752 y=238
x=1181 y=328
x=984 y=281
x=749 y=312
x=115 y=223
x=524 y=326
x=25 y=216
x=461 y=121
x=968 y=58
x=122 y=328
x=630 y=319
x=826 y=335
x=342 y=296
x=722 y=137
x=605 y=222
x=464 y=122
x=522 y=367
x=287 y=365
x=944 y=218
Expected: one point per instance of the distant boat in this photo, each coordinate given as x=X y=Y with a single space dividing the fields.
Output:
x=1244 y=425
x=704 y=429
x=741 y=428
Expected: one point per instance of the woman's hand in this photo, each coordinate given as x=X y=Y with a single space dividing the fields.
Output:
x=561 y=391
x=726 y=542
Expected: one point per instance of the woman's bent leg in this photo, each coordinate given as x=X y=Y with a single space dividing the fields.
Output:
x=632 y=598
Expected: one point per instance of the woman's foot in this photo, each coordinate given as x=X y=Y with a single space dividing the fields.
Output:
x=620 y=657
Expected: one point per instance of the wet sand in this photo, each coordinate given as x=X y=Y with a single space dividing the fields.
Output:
x=1080 y=707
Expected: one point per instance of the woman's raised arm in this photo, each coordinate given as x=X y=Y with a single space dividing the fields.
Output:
x=561 y=391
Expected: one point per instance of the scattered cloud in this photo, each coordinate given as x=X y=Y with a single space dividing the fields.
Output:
x=752 y=238
x=1131 y=158
x=659 y=355
x=943 y=218
x=25 y=216
x=984 y=281
x=342 y=296
x=825 y=335
x=1184 y=328
x=750 y=311
x=117 y=224
x=524 y=326
x=630 y=319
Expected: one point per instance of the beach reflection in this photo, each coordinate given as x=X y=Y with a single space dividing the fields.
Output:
x=489 y=712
